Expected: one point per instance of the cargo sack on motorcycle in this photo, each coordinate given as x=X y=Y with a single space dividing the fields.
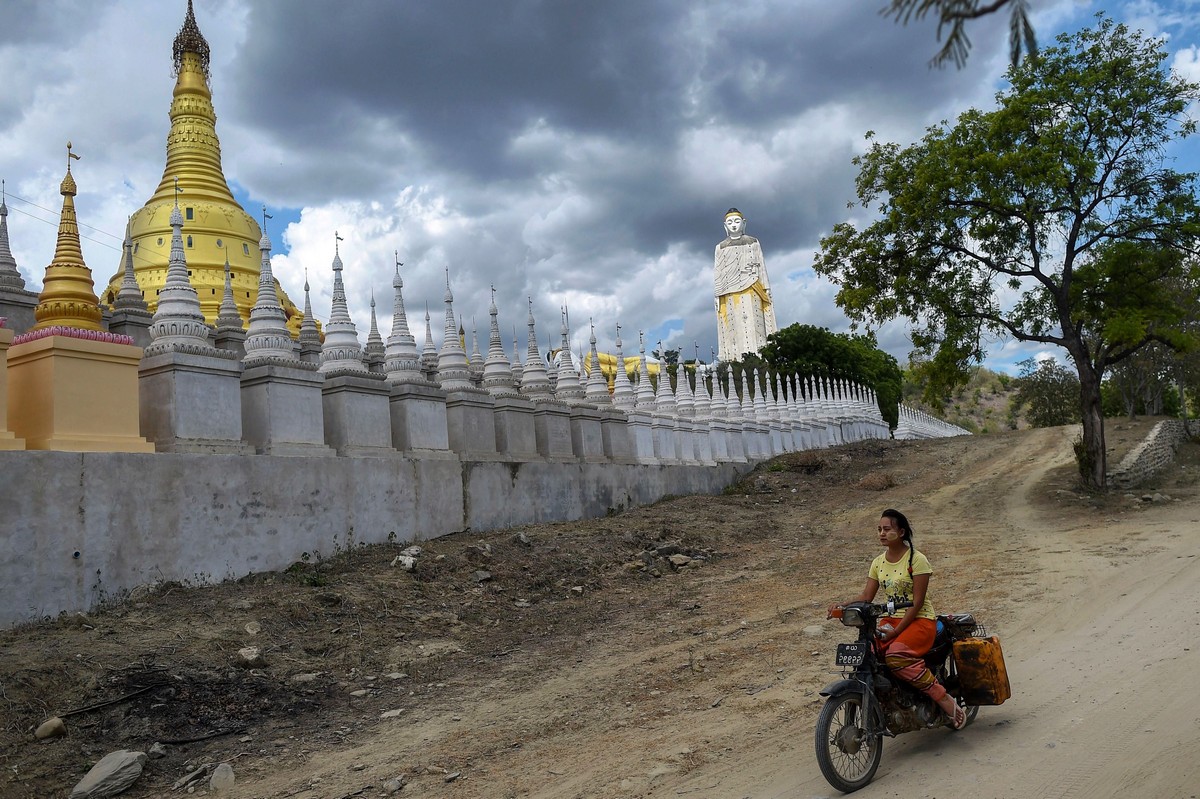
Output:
x=982 y=678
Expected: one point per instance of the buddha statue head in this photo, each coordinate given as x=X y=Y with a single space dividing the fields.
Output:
x=735 y=223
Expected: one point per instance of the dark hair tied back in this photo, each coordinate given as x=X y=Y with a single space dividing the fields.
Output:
x=902 y=522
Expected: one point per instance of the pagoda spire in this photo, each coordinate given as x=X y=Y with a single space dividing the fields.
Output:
x=622 y=395
x=341 y=351
x=178 y=322
x=685 y=401
x=68 y=297
x=267 y=335
x=193 y=149
x=597 y=384
x=645 y=389
x=567 y=388
x=129 y=298
x=453 y=370
x=375 y=351
x=215 y=220
x=535 y=383
x=517 y=368
x=10 y=275
x=475 y=365
x=401 y=362
x=310 y=338
x=664 y=397
x=228 y=318
x=497 y=370
x=429 y=354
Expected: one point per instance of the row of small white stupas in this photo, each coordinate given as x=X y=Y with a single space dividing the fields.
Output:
x=914 y=423
x=264 y=392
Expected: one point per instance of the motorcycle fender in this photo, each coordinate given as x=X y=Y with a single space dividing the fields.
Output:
x=842 y=687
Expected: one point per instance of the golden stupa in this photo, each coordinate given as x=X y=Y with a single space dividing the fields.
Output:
x=214 y=225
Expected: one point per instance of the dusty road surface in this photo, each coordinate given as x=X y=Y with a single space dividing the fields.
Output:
x=595 y=660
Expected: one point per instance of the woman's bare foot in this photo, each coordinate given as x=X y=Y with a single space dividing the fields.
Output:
x=955 y=714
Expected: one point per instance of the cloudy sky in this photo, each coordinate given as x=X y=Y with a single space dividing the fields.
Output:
x=582 y=153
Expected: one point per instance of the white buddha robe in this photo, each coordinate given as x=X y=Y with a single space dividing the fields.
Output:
x=745 y=313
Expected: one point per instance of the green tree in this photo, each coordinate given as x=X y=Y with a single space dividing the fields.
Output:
x=1053 y=219
x=810 y=350
x=1050 y=390
x=955 y=14
x=1143 y=383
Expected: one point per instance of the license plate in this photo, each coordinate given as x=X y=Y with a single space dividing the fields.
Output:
x=851 y=654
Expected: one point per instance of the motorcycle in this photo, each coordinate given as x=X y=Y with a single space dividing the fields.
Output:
x=869 y=703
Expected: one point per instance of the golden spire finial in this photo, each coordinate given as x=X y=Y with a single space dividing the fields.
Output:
x=68 y=296
x=190 y=40
x=67 y=187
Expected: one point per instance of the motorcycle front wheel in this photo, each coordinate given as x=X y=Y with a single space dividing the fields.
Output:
x=847 y=754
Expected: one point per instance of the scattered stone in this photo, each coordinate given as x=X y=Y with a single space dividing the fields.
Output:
x=814 y=630
x=391 y=714
x=157 y=751
x=666 y=550
x=253 y=628
x=242 y=604
x=406 y=562
x=481 y=576
x=413 y=551
x=522 y=539
x=451 y=777
x=307 y=677
x=222 y=778
x=358 y=767
x=249 y=657
x=360 y=692
x=52 y=727
x=394 y=784
x=522 y=603
x=396 y=675
x=115 y=772
x=81 y=619
x=577 y=589
x=1147 y=497
x=635 y=565
x=679 y=561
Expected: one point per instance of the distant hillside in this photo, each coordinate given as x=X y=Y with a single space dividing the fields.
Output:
x=983 y=405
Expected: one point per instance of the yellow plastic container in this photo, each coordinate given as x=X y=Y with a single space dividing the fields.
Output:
x=982 y=678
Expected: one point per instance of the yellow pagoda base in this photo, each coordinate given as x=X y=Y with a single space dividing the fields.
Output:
x=7 y=439
x=75 y=395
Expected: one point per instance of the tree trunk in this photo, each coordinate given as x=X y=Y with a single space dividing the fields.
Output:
x=1090 y=452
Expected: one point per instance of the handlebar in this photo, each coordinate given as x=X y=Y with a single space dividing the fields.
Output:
x=876 y=610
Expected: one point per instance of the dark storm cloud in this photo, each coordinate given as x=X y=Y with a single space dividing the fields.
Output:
x=581 y=144
x=462 y=78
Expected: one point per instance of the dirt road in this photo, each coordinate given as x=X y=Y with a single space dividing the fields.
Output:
x=587 y=665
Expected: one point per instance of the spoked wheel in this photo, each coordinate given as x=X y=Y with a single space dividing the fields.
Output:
x=847 y=754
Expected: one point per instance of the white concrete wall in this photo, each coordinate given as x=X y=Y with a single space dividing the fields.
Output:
x=79 y=528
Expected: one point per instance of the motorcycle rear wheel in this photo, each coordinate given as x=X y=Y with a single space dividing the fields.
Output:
x=949 y=677
x=847 y=754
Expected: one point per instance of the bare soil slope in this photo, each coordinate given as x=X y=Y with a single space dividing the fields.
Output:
x=670 y=651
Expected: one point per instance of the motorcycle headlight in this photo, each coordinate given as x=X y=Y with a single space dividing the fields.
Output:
x=852 y=617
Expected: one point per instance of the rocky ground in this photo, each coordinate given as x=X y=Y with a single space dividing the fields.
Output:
x=672 y=650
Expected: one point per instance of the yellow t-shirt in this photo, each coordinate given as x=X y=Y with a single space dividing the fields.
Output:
x=895 y=582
